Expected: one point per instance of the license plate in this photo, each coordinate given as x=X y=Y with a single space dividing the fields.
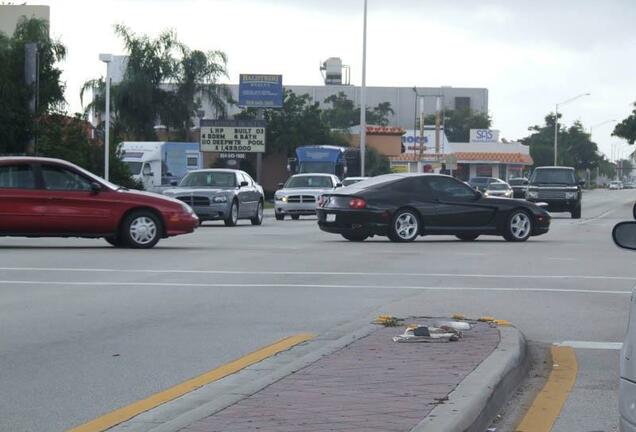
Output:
x=330 y=217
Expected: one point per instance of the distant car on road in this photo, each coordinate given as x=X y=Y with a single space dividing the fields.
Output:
x=629 y=185
x=299 y=195
x=499 y=189
x=405 y=206
x=616 y=185
x=519 y=186
x=558 y=188
x=221 y=194
x=351 y=180
x=42 y=197
x=481 y=183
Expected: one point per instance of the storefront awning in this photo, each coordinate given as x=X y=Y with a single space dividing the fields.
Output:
x=488 y=157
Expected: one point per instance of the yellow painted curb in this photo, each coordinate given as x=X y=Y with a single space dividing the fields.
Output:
x=548 y=404
x=126 y=413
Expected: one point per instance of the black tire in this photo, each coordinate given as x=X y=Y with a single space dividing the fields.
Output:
x=232 y=218
x=576 y=212
x=405 y=226
x=518 y=226
x=295 y=217
x=114 y=241
x=355 y=237
x=258 y=217
x=141 y=229
x=279 y=217
x=467 y=237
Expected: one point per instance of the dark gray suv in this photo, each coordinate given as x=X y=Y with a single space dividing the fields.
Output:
x=558 y=188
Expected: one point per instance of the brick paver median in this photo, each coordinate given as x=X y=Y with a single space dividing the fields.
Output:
x=373 y=384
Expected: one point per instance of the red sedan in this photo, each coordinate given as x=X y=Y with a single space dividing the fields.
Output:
x=42 y=197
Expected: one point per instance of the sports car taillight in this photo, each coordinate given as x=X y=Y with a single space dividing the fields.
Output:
x=357 y=203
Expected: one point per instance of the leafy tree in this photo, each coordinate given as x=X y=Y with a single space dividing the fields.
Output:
x=627 y=128
x=459 y=123
x=164 y=81
x=343 y=114
x=575 y=147
x=375 y=163
x=195 y=75
x=16 y=121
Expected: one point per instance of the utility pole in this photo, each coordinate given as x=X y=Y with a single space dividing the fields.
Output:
x=363 y=96
x=107 y=58
x=437 y=123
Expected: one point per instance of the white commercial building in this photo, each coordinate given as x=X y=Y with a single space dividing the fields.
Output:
x=402 y=99
x=483 y=156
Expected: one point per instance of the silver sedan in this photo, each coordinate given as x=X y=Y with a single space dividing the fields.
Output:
x=221 y=194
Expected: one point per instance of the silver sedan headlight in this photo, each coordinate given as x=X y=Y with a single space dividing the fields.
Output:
x=281 y=198
x=219 y=199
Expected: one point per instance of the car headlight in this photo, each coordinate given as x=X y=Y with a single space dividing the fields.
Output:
x=570 y=195
x=281 y=198
x=219 y=199
x=186 y=208
x=533 y=194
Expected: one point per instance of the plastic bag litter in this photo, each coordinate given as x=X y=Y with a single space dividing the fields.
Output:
x=428 y=334
x=457 y=325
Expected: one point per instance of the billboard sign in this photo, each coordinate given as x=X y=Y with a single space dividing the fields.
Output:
x=260 y=91
x=233 y=136
x=484 y=135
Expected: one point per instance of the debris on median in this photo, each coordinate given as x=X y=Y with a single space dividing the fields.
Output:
x=428 y=334
x=388 y=321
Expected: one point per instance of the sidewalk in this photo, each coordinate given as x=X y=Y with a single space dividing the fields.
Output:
x=373 y=384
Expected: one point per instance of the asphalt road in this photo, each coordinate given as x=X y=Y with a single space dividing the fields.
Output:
x=86 y=328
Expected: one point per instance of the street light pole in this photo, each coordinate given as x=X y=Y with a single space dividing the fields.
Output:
x=363 y=96
x=107 y=58
x=556 y=123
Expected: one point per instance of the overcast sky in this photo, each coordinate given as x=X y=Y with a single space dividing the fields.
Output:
x=529 y=54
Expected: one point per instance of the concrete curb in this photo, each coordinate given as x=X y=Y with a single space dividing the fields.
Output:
x=475 y=402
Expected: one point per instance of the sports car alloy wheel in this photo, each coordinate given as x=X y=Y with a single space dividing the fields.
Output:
x=519 y=227
x=406 y=226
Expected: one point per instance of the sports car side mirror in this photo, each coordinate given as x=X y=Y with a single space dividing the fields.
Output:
x=96 y=188
x=624 y=235
x=281 y=185
x=243 y=184
x=338 y=185
x=478 y=194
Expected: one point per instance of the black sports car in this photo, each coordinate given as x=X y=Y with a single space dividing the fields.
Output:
x=404 y=206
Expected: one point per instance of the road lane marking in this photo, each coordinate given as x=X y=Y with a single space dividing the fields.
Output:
x=595 y=218
x=317 y=273
x=279 y=285
x=549 y=402
x=591 y=345
x=126 y=413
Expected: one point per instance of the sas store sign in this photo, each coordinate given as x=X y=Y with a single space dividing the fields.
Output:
x=484 y=135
